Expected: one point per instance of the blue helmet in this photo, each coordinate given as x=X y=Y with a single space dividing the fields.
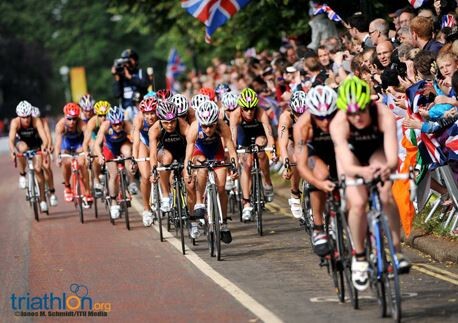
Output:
x=115 y=115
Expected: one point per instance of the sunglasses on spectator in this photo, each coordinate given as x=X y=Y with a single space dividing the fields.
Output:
x=208 y=126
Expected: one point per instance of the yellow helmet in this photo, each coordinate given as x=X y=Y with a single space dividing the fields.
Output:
x=101 y=108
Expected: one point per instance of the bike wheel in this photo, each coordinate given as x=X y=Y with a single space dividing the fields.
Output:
x=78 y=198
x=377 y=260
x=391 y=275
x=259 y=200
x=124 y=204
x=217 y=224
x=307 y=210
x=34 y=196
x=96 y=211
x=332 y=231
x=180 y=209
x=211 y=226
x=157 y=207
x=346 y=257
x=239 y=198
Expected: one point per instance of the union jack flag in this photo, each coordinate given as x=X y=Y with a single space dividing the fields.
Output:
x=328 y=10
x=448 y=21
x=416 y=3
x=174 y=68
x=213 y=13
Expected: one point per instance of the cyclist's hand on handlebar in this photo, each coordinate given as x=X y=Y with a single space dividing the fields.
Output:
x=101 y=160
x=368 y=172
x=384 y=171
x=326 y=186
x=234 y=174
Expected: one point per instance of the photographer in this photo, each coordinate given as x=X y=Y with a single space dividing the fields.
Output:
x=128 y=78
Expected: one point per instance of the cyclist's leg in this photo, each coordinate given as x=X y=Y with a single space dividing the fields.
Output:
x=126 y=150
x=49 y=176
x=220 y=184
x=201 y=182
x=294 y=201
x=38 y=166
x=264 y=161
x=21 y=147
x=164 y=157
x=145 y=171
x=245 y=178
x=84 y=172
x=95 y=165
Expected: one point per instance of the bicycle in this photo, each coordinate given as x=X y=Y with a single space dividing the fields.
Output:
x=234 y=198
x=214 y=214
x=257 y=200
x=32 y=193
x=179 y=215
x=124 y=194
x=95 y=194
x=76 y=182
x=380 y=252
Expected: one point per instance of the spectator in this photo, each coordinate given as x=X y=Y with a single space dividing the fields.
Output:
x=324 y=58
x=384 y=52
x=405 y=18
x=421 y=29
x=291 y=55
x=404 y=35
x=359 y=29
x=427 y=13
x=378 y=31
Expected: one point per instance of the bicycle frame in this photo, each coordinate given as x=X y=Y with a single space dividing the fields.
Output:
x=33 y=191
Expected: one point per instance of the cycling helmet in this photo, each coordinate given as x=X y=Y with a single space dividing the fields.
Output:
x=115 y=115
x=35 y=112
x=24 y=109
x=208 y=92
x=221 y=89
x=166 y=111
x=181 y=103
x=87 y=102
x=148 y=105
x=150 y=94
x=198 y=99
x=101 y=108
x=163 y=94
x=354 y=95
x=321 y=101
x=72 y=110
x=298 y=103
x=229 y=101
x=248 y=99
x=207 y=113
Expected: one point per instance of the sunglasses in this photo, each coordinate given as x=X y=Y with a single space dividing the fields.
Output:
x=328 y=117
x=354 y=114
x=116 y=124
x=72 y=119
x=205 y=126
x=25 y=117
x=102 y=115
x=248 y=109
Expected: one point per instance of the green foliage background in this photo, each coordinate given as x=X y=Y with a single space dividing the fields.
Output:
x=37 y=37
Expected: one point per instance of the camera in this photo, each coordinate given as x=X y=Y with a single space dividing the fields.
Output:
x=119 y=65
x=400 y=68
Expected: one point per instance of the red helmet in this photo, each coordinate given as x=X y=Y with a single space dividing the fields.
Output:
x=148 y=105
x=72 y=109
x=163 y=94
x=208 y=92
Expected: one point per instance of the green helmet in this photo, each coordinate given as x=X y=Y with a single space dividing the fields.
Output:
x=354 y=95
x=248 y=99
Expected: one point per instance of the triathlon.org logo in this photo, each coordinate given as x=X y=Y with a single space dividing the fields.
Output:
x=77 y=300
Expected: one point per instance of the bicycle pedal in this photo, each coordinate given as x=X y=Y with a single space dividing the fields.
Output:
x=323 y=262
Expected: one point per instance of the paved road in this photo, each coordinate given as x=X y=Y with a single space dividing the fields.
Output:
x=270 y=278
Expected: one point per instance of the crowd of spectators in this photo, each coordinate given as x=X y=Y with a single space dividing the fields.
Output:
x=413 y=51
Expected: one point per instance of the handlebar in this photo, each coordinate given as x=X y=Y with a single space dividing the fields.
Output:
x=212 y=164
x=71 y=155
x=287 y=164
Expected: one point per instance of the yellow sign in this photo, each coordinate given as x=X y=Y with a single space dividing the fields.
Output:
x=78 y=83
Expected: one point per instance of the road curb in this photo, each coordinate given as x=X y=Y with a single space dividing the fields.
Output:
x=439 y=248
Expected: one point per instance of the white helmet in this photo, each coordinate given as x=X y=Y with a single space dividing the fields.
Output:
x=24 y=109
x=198 y=99
x=229 y=100
x=321 y=100
x=35 y=112
x=207 y=113
x=298 y=103
x=181 y=103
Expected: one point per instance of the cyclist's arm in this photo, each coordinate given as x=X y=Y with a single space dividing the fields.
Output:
x=58 y=133
x=340 y=132
x=136 y=135
x=234 y=121
x=301 y=135
x=99 y=139
x=48 y=132
x=153 y=133
x=387 y=123
x=12 y=135
x=264 y=119
x=88 y=134
x=41 y=132
x=190 y=143
x=283 y=128
x=226 y=135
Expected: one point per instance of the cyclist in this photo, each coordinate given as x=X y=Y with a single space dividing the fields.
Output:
x=101 y=109
x=27 y=133
x=182 y=105
x=315 y=157
x=46 y=156
x=221 y=89
x=167 y=139
x=69 y=139
x=286 y=123
x=113 y=136
x=144 y=120
x=196 y=101
x=208 y=92
x=364 y=136
x=87 y=107
x=248 y=122
x=206 y=140
x=229 y=104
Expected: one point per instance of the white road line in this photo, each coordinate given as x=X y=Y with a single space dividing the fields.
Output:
x=246 y=300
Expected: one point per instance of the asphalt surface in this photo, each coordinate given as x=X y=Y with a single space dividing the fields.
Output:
x=141 y=279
